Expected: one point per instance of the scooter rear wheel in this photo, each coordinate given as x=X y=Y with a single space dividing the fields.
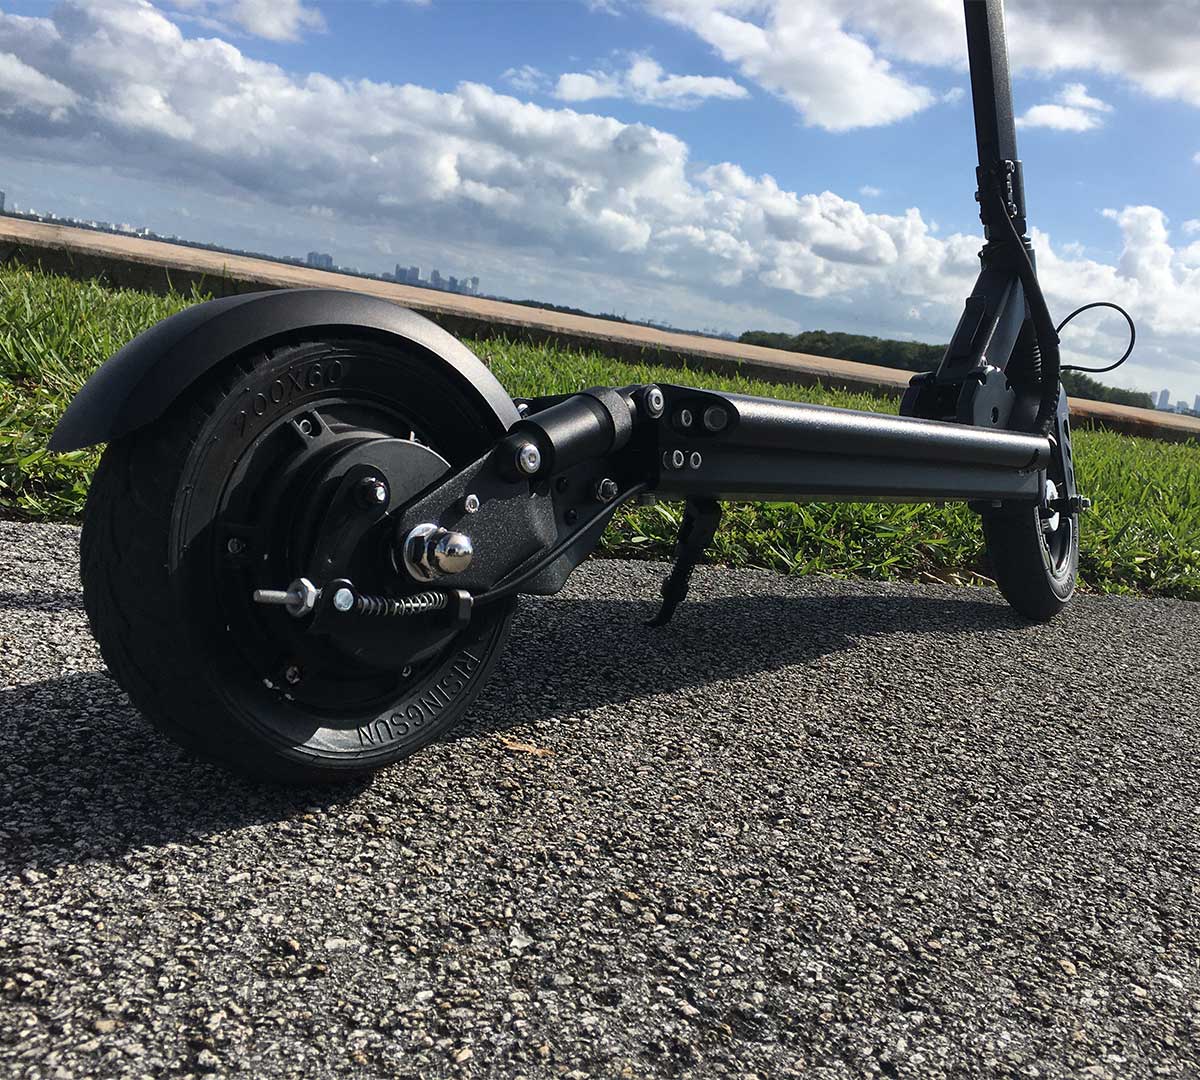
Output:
x=186 y=517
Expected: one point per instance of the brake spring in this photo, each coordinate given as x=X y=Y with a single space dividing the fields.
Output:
x=385 y=606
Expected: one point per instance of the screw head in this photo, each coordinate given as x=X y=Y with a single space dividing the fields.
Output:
x=678 y=459
x=655 y=402
x=606 y=489
x=715 y=418
x=235 y=545
x=343 y=599
x=470 y=503
x=695 y=460
x=373 y=492
x=529 y=458
x=684 y=418
x=293 y=674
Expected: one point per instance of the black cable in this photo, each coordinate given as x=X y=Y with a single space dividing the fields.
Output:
x=1132 y=336
x=508 y=587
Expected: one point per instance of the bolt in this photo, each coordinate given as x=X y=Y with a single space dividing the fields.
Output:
x=523 y=407
x=695 y=460
x=372 y=492
x=470 y=503
x=405 y=671
x=343 y=599
x=715 y=418
x=684 y=418
x=678 y=458
x=305 y=426
x=571 y=516
x=235 y=545
x=606 y=490
x=529 y=458
x=293 y=674
x=655 y=402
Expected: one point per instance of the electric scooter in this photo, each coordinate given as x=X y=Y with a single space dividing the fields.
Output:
x=304 y=543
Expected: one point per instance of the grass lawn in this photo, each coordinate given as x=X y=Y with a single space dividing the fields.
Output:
x=1143 y=534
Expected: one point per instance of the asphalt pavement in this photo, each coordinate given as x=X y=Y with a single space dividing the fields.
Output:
x=813 y=828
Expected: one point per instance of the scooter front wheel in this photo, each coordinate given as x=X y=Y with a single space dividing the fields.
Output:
x=187 y=517
x=1034 y=554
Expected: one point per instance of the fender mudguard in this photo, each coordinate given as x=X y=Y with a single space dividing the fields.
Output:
x=136 y=385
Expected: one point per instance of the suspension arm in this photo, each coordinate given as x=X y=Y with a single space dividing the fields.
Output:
x=545 y=491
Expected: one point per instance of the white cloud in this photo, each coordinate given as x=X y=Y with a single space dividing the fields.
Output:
x=276 y=20
x=869 y=191
x=1073 y=110
x=617 y=205
x=836 y=61
x=644 y=82
x=804 y=53
x=526 y=78
x=1075 y=96
x=24 y=87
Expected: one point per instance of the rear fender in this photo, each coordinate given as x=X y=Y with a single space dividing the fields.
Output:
x=138 y=384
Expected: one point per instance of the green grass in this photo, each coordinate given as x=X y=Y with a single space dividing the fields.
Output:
x=1142 y=536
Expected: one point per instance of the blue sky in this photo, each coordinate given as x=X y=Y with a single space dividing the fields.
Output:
x=713 y=163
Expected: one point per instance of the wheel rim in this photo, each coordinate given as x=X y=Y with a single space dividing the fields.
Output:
x=294 y=688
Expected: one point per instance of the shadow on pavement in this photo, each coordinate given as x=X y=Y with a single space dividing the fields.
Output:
x=85 y=776
x=602 y=652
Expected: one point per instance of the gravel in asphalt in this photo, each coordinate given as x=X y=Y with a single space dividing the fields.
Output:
x=813 y=828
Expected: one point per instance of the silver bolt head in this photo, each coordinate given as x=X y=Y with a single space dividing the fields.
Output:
x=695 y=460
x=470 y=504
x=235 y=545
x=715 y=418
x=678 y=459
x=655 y=402
x=529 y=458
x=606 y=489
x=684 y=418
x=293 y=674
x=453 y=552
x=343 y=599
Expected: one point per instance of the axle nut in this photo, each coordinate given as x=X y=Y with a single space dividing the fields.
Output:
x=430 y=551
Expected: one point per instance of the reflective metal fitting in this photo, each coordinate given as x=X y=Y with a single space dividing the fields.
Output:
x=655 y=402
x=372 y=492
x=529 y=458
x=695 y=460
x=606 y=490
x=470 y=503
x=716 y=418
x=430 y=551
x=299 y=599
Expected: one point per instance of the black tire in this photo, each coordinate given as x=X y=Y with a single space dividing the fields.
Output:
x=1034 y=567
x=173 y=618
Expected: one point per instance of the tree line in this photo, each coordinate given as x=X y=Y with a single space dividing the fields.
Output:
x=918 y=356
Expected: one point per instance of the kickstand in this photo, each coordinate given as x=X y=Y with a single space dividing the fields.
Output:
x=699 y=526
